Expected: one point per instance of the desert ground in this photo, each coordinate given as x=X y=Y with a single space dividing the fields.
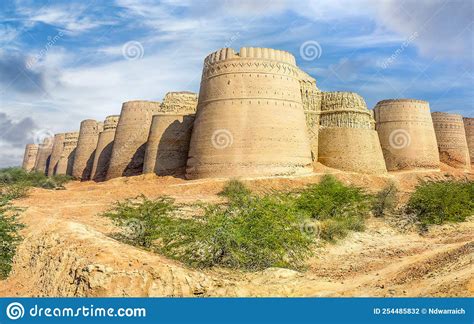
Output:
x=68 y=249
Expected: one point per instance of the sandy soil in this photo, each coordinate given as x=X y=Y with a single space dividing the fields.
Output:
x=67 y=249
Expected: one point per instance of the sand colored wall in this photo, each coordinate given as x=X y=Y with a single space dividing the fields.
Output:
x=311 y=99
x=66 y=160
x=250 y=119
x=132 y=132
x=182 y=103
x=86 y=145
x=58 y=146
x=29 y=158
x=406 y=134
x=43 y=155
x=451 y=138
x=103 y=151
x=469 y=128
x=347 y=137
x=168 y=144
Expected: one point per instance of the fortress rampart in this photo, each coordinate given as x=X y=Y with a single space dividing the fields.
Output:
x=43 y=155
x=168 y=144
x=311 y=98
x=347 y=137
x=250 y=119
x=469 y=128
x=58 y=146
x=451 y=138
x=132 y=132
x=86 y=146
x=29 y=158
x=183 y=103
x=66 y=160
x=103 y=150
x=406 y=134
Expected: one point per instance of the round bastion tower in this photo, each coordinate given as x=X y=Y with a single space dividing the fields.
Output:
x=103 y=151
x=347 y=137
x=170 y=134
x=131 y=135
x=43 y=155
x=86 y=145
x=31 y=151
x=451 y=138
x=469 y=128
x=406 y=134
x=66 y=160
x=58 y=146
x=250 y=119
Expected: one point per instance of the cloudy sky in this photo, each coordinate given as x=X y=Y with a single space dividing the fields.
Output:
x=65 y=61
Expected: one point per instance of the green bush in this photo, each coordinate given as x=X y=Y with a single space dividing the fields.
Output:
x=385 y=201
x=440 y=202
x=339 y=208
x=18 y=176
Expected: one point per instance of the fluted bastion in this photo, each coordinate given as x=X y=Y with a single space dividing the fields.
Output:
x=43 y=155
x=29 y=158
x=103 y=151
x=131 y=135
x=168 y=144
x=250 y=119
x=66 y=160
x=58 y=146
x=311 y=98
x=347 y=137
x=451 y=138
x=86 y=145
x=406 y=134
x=469 y=128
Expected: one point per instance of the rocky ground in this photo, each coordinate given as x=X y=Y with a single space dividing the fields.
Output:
x=67 y=249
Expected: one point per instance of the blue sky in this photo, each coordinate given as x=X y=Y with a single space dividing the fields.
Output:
x=65 y=61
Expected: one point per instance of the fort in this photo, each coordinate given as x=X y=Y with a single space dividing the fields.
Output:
x=406 y=134
x=250 y=119
x=86 y=146
x=347 y=137
x=131 y=135
x=58 y=146
x=257 y=115
x=29 y=158
x=43 y=155
x=103 y=150
x=469 y=128
x=66 y=160
x=451 y=138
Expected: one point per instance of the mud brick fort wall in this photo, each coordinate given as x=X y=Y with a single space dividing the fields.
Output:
x=347 y=137
x=250 y=119
x=103 y=151
x=406 y=134
x=451 y=138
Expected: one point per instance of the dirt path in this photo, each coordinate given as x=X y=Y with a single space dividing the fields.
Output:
x=67 y=251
